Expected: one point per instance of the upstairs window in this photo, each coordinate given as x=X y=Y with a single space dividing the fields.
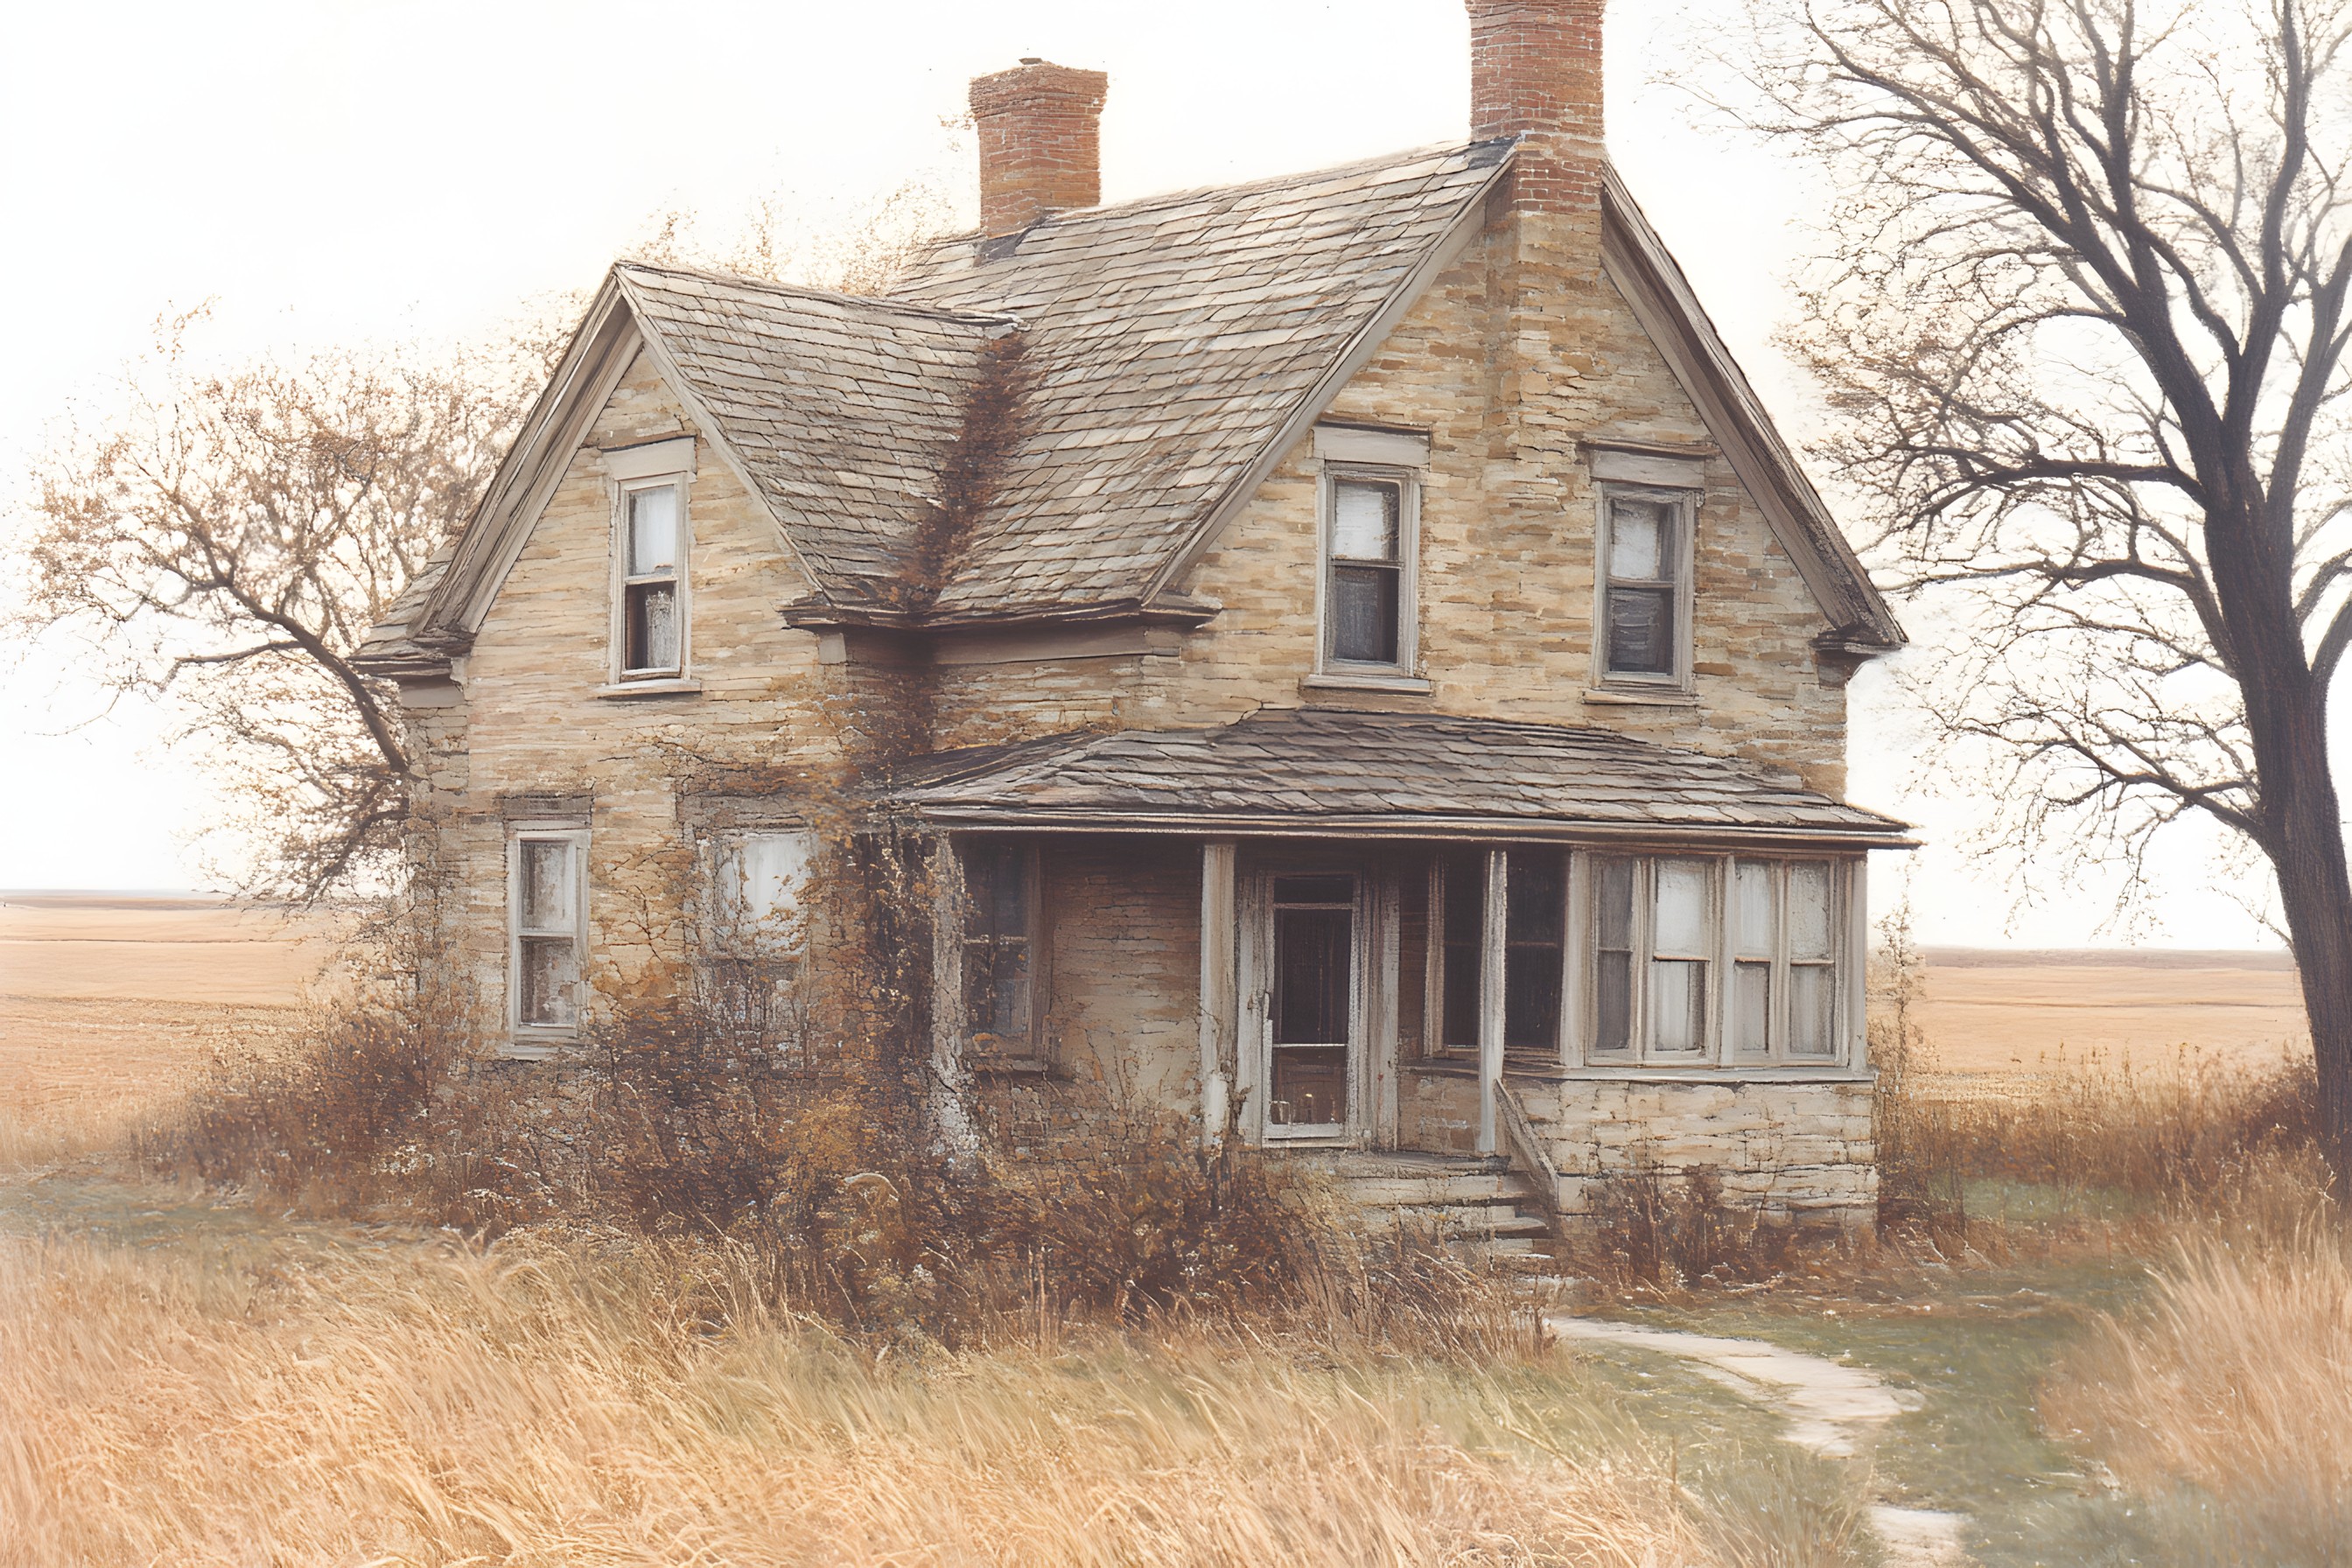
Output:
x=1644 y=611
x=1368 y=580
x=653 y=583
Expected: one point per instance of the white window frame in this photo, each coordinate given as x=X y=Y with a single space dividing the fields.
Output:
x=1408 y=483
x=529 y=1039
x=726 y=940
x=629 y=471
x=1684 y=555
x=1847 y=940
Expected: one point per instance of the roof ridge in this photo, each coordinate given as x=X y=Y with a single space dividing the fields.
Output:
x=885 y=302
x=1499 y=144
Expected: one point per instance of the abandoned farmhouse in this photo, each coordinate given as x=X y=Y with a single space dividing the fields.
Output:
x=1369 y=673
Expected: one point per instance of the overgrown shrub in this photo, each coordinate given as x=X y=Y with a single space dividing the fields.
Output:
x=1673 y=1229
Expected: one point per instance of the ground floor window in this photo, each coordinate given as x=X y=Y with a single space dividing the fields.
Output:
x=999 y=889
x=756 y=938
x=546 y=914
x=1656 y=959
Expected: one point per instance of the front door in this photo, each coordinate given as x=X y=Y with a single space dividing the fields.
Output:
x=1314 y=1027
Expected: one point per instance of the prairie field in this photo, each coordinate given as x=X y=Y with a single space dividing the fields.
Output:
x=2093 y=1368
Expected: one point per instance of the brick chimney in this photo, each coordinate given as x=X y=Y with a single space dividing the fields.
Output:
x=1040 y=143
x=1535 y=71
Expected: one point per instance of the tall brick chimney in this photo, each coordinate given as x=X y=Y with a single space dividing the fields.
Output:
x=1535 y=70
x=1040 y=143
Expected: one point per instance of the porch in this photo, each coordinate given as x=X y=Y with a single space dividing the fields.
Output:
x=1565 y=951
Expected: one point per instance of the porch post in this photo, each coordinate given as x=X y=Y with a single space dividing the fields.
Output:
x=1490 y=995
x=1220 y=998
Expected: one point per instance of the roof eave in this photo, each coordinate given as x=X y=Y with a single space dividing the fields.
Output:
x=1406 y=825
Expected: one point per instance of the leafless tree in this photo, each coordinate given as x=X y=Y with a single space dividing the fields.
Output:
x=2085 y=336
x=224 y=540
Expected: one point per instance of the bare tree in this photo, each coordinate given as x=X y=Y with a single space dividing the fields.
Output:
x=2086 y=336
x=225 y=541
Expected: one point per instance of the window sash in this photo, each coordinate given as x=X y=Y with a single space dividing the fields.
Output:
x=1745 y=989
x=1368 y=590
x=650 y=580
x=1000 y=946
x=1642 y=624
x=547 y=917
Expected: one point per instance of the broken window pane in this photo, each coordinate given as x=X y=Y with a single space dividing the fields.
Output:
x=1811 y=996
x=1364 y=520
x=653 y=530
x=769 y=871
x=1364 y=614
x=652 y=625
x=547 y=903
x=545 y=988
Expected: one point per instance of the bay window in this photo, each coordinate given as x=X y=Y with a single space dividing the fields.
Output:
x=1650 y=960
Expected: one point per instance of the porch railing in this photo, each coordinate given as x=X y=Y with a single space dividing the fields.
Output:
x=1528 y=1153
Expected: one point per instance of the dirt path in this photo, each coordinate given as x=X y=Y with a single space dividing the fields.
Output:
x=1828 y=1405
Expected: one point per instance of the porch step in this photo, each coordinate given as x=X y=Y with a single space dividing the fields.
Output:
x=1467 y=1205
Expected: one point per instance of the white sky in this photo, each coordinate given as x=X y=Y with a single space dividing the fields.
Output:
x=336 y=170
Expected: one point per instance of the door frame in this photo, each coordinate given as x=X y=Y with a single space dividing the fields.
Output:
x=1371 y=1111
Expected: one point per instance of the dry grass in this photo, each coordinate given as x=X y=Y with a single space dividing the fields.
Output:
x=2228 y=1398
x=436 y=1406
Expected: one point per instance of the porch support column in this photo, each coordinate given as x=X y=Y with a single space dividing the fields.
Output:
x=1490 y=997
x=1220 y=994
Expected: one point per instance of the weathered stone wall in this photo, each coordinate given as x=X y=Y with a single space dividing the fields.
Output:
x=1800 y=1149
x=530 y=721
x=1508 y=520
x=1124 y=948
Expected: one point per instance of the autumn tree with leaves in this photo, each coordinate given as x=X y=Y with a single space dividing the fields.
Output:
x=2085 y=336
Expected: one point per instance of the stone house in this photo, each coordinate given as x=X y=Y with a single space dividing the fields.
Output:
x=1371 y=674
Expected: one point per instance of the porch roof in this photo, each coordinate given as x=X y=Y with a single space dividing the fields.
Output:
x=1337 y=772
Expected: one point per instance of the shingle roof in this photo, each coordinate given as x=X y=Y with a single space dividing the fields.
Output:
x=1169 y=341
x=1304 y=770
x=844 y=411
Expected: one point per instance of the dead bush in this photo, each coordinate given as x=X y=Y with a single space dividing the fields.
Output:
x=1653 y=1226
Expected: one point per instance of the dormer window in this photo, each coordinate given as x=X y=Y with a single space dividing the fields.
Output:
x=1645 y=600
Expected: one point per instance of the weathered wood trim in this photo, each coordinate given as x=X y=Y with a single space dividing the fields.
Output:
x=1528 y=1155
x=1632 y=838
x=1493 y=958
x=1219 y=992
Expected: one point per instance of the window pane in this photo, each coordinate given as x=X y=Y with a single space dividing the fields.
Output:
x=1466 y=919
x=1811 y=1027
x=1641 y=631
x=1613 y=988
x=550 y=970
x=1336 y=889
x=1309 y=1088
x=1641 y=541
x=1534 y=932
x=996 y=987
x=547 y=902
x=1536 y=896
x=1756 y=910
x=652 y=625
x=1682 y=923
x=1614 y=915
x=1751 y=1009
x=1809 y=910
x=1313 y=960
x=1364 y=520
x=1677 y=1004
x=653 y=530
x=1364 y=614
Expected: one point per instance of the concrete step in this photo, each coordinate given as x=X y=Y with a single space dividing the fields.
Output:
x=1465 y=1187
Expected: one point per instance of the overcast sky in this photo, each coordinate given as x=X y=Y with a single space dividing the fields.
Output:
x=336 y=170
